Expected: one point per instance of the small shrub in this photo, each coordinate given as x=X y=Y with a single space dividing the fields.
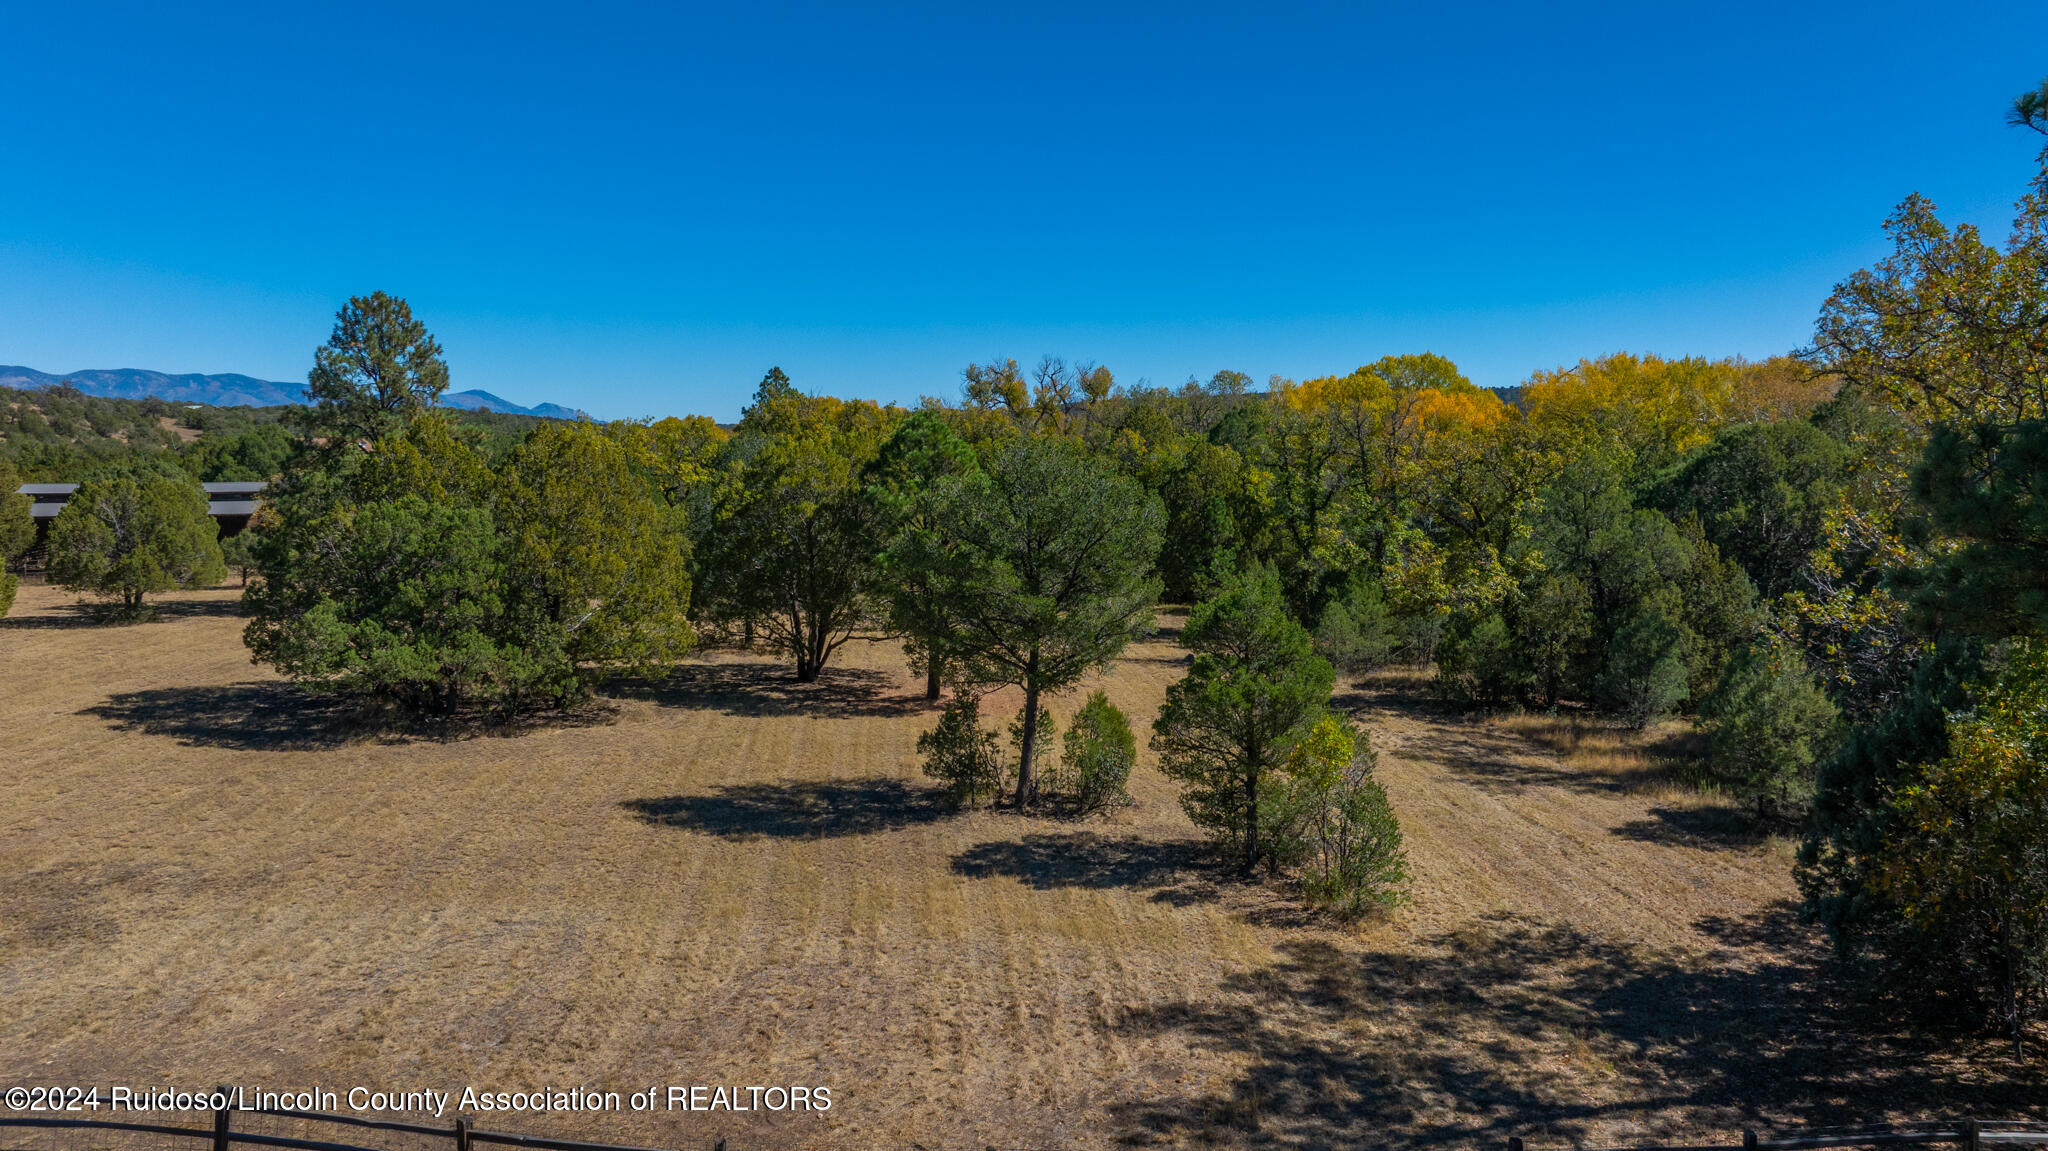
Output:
x=960 y=753
x=1356 y=632
x=1475 y=663
x=1098 y=755
x=1647 y=669
x=1341 y=831
x=1770 y=722
x=238 y=552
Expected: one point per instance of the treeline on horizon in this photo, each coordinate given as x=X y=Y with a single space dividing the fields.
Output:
x=1837 y=562
x=62 y=435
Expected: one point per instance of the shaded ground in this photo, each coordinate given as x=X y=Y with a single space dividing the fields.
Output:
x=728 y=877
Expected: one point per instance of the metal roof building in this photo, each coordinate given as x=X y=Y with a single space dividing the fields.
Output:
x=231 y=502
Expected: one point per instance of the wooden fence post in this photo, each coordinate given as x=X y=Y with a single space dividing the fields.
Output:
x=220 y=1123
x=462 y=1133
x=1973 y=1135
x=1748 y=1139
x=1514 y=1143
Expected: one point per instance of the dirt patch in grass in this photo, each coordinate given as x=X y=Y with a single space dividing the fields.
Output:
x=736 y=879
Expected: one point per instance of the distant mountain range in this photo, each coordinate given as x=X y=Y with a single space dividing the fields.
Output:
x=477 y=400
x=228 y=390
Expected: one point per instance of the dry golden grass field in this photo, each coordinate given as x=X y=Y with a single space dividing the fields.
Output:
x=726 y=878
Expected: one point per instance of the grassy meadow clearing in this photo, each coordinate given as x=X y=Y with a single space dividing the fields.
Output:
x=729 y=878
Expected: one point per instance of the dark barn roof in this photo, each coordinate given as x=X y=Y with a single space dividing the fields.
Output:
x=232 y=498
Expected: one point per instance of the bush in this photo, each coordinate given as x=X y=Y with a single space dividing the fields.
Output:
x=1966 y=856
x=1356 y=632
x=1476 y=662
x=1098 y=755
x=126 y=536
x=414 y=572
x=411 y=608
x=1255 y=687
x=1647 y=666
x=1769 y=722
x=238 y=551
x=1340 y=830
x=963 y=755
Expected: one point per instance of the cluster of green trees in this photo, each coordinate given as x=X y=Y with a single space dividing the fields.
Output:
x=1927 y=854
x=51 y=434
x=59 y=435
x=1011 y=542
x=400 y=562
x=1835 y=561
x=62 y=435
x=137 y=527
x=17 y=531
x=1276 y=775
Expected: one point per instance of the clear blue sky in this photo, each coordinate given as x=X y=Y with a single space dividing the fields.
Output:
x=637 y=210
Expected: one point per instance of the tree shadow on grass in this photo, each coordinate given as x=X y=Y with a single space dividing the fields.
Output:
x=1509 y=1026
x=1506 y=761
x=1723 y=828
x=263 y=716
x=761 y=688
x=276 y=716
x=798 y=810
x=88 y=614
x=1085 y=859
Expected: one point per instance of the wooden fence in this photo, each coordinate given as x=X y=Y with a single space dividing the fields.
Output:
x=222 y=1135
x=1968 y=1134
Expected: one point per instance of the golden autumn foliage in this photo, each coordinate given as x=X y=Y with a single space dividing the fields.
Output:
x=1655 y=410
x=676 y=454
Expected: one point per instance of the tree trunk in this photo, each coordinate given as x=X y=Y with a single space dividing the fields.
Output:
x=1027 y=771
x=1251 y=817
x=808 y=661
x=931 y=675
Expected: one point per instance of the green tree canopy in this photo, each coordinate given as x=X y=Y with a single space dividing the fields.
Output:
x=1770 y=724
x=897 y=485
x=1227 y=726
x=379 y=366
x=1967 y=857
x=130 y=534
x=416 y=572
x=1042 y=562
x=17 y=530
x=1948 y=326
x=792 y=545
x=592 y=552
x=1762 y=492
x=1986 y=488
x=408 y=604
x=384 y=574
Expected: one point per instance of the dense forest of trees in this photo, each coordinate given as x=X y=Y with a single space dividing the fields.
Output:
x=1836 y=561
x=62 y=435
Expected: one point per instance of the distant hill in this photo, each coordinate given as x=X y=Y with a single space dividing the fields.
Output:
x=228 y=390
x=478 y=400
x=224 y=391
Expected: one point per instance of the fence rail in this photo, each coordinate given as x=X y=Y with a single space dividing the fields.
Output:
x=1969 y=1134
x=222 y=1135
